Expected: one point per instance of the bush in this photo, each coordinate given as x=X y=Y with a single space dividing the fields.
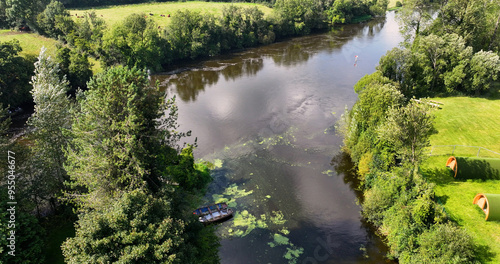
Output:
x=399 y=4
x=444 y=243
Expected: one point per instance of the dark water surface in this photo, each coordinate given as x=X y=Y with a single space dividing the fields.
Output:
x=265 y=117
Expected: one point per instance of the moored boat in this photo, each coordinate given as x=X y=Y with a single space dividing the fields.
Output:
x=213 y=213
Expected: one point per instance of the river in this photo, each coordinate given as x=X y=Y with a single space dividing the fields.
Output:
x=265 y=117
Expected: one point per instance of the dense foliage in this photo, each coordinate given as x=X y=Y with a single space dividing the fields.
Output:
x=133 y=189
x=456 y=53
x=386 y=136
x=136 y=228
x=15 y=75
x=386 y=132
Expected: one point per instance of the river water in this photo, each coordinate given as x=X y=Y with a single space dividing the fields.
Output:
x=265 y=118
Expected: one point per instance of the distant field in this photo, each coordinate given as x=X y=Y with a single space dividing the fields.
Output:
x=115 y=14
x=30 y=42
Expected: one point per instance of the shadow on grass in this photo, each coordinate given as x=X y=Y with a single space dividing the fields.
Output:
x=477 y=169
x=439 y=176
x=484 y=254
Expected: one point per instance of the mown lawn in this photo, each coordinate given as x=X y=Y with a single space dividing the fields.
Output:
x=471 y=122
x=115 y=14
x=30 y=42
x=456 y=195
x=467 y=121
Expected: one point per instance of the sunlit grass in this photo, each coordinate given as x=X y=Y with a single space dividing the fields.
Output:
x=30 y=42
x=392 y=3
x=114 y=14
x=468 y=121
x=456 y=196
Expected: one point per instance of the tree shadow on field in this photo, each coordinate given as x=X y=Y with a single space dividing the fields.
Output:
x=477 y=169
x=484 y=253
x=439 y=176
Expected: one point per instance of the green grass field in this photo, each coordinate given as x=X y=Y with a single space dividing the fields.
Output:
x=456 y=196
x=392 y=3
x=115 y=14
x=471 y=122
x=30 y=42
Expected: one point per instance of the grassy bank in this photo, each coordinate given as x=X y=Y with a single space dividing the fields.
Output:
x=471 y=122
x=115 y=14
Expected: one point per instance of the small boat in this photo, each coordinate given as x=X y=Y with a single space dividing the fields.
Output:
x=213 y=213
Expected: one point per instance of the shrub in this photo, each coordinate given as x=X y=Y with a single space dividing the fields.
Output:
x=444 y=243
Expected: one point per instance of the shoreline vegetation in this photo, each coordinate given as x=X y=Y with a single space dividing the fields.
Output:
x=387 y=135
x=113 y=177
x=89 y=41
x=422 y=212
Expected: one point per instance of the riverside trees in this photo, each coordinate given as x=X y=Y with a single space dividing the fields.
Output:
x=121 y=171
x=386 y=138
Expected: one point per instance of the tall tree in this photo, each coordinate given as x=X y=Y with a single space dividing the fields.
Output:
x=111 y=135
x=50 y=118
x=408 y=128
x=24 y=12
x=47 y=19
x=136 y=42
x=414 y=17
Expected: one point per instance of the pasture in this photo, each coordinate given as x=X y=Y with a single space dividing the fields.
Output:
x=115 y=14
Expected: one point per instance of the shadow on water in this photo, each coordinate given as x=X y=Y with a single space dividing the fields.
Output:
x=344 y=166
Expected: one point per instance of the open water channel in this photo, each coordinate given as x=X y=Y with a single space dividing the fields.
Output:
x=265 y=118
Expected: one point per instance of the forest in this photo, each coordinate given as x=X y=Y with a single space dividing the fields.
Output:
x=104 y=151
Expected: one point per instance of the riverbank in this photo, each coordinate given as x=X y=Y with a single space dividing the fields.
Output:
x=467 y=121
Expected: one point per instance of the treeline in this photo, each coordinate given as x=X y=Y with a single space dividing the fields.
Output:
x=456 y=53
x=387 y=131
x=89 y=3
x=139 y=42
x=114 y=156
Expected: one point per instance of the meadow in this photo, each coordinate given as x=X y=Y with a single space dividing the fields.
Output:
x=30 y=42
x=468 y=121
x=114 y=14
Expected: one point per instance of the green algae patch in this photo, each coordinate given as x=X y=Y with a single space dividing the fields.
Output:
x=278 y=218
x=280 y=239
x=245 y=223
x=328 y=172
x=217 y=163
x=293 y=253
x=233 y=191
